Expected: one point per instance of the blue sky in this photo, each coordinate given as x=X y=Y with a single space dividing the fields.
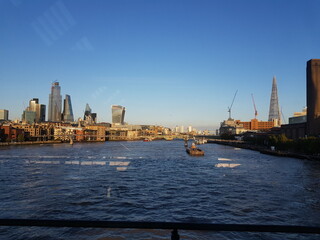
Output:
x=168 y=62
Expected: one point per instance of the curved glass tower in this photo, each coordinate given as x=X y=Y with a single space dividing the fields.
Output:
x=118 y=114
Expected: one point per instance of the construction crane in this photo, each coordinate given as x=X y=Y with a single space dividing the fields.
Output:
x=229 y=108
x=255 y=109
x=283 y=118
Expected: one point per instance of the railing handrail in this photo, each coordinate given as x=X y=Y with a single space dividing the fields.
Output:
x=161 y=225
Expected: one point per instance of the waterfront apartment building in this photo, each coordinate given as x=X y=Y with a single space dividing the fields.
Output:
x=231 y=126
x=4 y=115
x=313 y=97
x=67 y=114
x=55 y=103
x=118 y=113
x=255 y=124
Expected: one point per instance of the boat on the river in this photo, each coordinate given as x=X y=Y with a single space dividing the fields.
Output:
x=147 y=140
x=194 y=151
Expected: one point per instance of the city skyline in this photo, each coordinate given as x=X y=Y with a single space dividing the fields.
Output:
x=177 y=60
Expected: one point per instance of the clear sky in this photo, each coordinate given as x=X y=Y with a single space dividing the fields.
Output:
x=168 y=62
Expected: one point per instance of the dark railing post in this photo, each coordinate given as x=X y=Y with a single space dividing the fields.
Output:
x=175 y=235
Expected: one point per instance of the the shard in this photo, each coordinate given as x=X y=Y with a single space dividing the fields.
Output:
x=274 y=110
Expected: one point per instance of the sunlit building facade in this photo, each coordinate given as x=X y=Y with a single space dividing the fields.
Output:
x=55 y=103
x=35 y=112
x=4 y=114
x=118 y=113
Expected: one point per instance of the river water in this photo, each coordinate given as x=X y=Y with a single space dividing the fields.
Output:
x=154 y=181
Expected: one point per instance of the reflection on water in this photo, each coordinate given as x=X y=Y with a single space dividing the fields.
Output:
x=154 y=181
x=227 y=165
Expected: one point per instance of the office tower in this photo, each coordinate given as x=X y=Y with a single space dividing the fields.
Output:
x=313 y=97
x=274 y=111
x=33 y=104
x=67 y=109
x=87 y=111
x=39 y=111
x=55 y=102
x=118 y=114
x=29 y=116
x=4 y=114
x=89 y=116
x=42 y=114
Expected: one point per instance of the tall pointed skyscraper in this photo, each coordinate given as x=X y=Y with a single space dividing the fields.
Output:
x=87 y=111
x=274 y=111
x=55 y=103
x=67 y=109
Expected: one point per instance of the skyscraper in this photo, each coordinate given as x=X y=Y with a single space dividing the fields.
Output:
x=118 y=113
x=67 y=109
x=87 y=111
x=55 y=102
x=313 y=97
x=274 y=111
x=4 y=114
x=89 y=116
x=35 y=112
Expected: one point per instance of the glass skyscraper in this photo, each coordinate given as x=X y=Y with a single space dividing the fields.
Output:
x=118 y=114
x=89 y=116
x=39 y=111
x=55 y=102
x=67 y=109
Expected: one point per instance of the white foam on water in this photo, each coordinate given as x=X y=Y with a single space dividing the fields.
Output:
x=121 y=169
x=237 y=148
x=119 y=163
x=227 y=165
x=86 y=163
x=224 y=159
x=98 y=163
x=120 y=157
x=72 y=162
x=43 y=162
x=109 y=192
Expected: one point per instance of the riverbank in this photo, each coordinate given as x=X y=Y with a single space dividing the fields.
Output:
x=39 y=143
x=92 y=141
x=263 y=149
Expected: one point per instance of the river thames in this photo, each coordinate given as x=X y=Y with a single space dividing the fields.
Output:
x=154 y=181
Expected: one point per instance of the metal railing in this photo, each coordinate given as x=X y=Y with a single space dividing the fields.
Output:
x=174 y=226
